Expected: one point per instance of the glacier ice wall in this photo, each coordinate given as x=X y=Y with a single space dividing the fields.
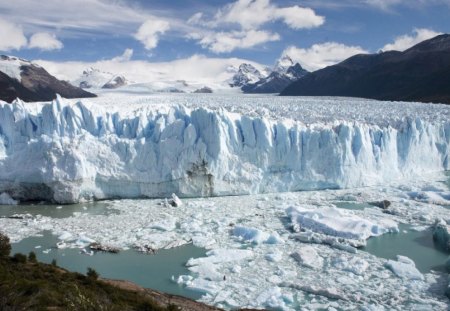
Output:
x=68 y=152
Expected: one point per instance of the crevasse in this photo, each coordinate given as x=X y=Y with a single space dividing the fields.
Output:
x=66 y=153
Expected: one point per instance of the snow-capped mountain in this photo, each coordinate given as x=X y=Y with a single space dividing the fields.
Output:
x=97 y=79
x=284 y=73
x=31 y=82
x=115 y=82
x=283 y=64
x=246 y=74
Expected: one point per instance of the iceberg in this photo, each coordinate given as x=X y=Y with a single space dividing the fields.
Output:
x=331 y=221
x=67 y=151
x=404 y=268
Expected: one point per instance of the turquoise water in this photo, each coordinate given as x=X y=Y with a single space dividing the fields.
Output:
x=447 y=182
x=151 y=271
x=57 y=211
x=417 y=245
x=352 y=205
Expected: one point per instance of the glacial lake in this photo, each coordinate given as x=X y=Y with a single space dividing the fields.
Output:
x=57 y=211
x=156 y=271
x=417 y=245
x=150 y=271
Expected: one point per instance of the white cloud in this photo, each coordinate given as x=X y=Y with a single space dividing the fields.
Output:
x=384 y=4
x=388 y=5
x=195 y=69
x=125 y=57
x=298 y=18
x=195 y=19
x=222 y=42
x=251 y=14
x=12 y=36
x=149 y=32
x=73 y=18
x=404 y=42
x=45 y=41
x=322 y=55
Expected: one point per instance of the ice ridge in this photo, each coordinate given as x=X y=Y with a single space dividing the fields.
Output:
x=65 y=152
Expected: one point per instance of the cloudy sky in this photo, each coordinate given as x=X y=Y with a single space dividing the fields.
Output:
x=316 y=33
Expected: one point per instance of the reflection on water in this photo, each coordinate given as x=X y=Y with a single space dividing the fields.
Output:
x=57 y=211
x=151 y=271
x=417 y=245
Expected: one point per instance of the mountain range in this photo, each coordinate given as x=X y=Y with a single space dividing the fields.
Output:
x=31 y=82
x=251 y=80
x=420 y=73
x=95 y=78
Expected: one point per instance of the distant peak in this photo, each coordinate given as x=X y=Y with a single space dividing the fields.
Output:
x=283 y=64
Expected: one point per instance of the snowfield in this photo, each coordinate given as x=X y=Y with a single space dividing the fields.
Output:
x=122 y=146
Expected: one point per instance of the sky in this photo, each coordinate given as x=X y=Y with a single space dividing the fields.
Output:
x=316 y=33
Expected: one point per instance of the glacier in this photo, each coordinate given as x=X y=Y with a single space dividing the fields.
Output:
x=68 y=151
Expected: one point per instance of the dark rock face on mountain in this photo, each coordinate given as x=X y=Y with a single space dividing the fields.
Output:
x=22 y=79
x=204 y=90
x=115 y=82
x=252 y=80
x=277 y=80
x=421 y=73
x=246 y=73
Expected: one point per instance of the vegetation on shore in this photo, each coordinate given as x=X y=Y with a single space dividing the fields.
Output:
x=26 y=284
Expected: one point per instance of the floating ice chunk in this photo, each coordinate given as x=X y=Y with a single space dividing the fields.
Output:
x=275 y=238
x=65 y=236
x=436 y=196
x=203 y=286
x=236 y=269
x=339 y=223
x=169 y=223
x=330 y=292
x=176 y=202
x=83 y=241
x=256 y=236
x=46 y=251
x=38 y=246
x=221 y=255
x=404 y=268
x=85 y=252
x=357 y=266
x=274 y=256
x=183 y=279
x=250 y=234
x=203 y=241
x=59 y=207
x=207 y=271
x=5 y=199
x=272 y=298
x=61 y=245
x=308 y=257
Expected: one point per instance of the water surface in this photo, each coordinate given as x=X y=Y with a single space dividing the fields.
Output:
x=417 y=245
x=58 y=211
x=150 y=271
